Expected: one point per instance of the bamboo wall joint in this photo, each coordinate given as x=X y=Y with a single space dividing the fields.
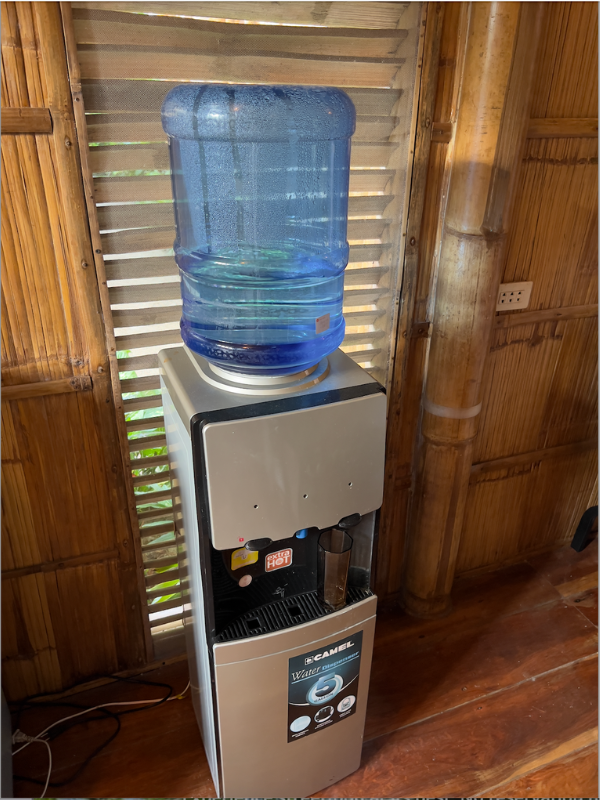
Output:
x=79 y=383
x=26 y=120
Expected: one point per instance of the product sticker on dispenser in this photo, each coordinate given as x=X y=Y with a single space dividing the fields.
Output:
x=322 y=324
x=323 y=686
x=243 y=558
x=278 y=560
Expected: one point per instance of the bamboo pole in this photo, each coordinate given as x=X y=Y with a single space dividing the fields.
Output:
x=490 y=132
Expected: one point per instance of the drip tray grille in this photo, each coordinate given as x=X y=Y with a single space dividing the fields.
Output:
x=284 y=613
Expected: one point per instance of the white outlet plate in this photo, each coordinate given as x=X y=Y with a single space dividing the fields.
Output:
x=514 y=296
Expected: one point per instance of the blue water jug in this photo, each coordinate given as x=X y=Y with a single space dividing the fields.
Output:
x=260 y=183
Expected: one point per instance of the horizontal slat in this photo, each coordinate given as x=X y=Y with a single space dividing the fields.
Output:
x=143 y=127
x=140 y=403
x=162 y=238
x=336 y=14
x=360 y=356
x=148 y=423
x=142 y=294
x=117 y=28
x=165 y=605
x=152 y=593
x=148 y=316
x=121 y=295
x=26 y=120
x=143 y=63
x=353 y=339
x=174 y=616
x=145 y=267
x=362 y=297
x=552 y=128
x=158 y=187
x=149 y=480
x=124 y=95
x=163 y=577
x=133 y=340
x=150 y=550
x=362 y=275
x=138 y=240
x=157 y=514
x=147 y=442
x=159 y=563
x=149 y=215
x=151 y=461
x=140 y=384
x=158 y=530
x=363 y=317
x=138 y=362
x=133 y=268
x=156 y=156
x=153 y=497
x=123 y=318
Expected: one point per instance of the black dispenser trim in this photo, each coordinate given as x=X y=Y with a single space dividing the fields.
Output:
x=285 y=613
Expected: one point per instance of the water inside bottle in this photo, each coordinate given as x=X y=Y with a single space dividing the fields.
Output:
x=262 y=305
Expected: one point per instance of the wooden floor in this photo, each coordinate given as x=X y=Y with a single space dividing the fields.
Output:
x=497 y=700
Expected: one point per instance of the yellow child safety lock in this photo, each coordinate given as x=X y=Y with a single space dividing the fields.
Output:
x=243 y=558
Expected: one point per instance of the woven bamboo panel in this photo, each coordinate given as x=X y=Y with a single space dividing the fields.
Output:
x=567 y=78
x=541 y=378
x=515 y=512
x=71 y=605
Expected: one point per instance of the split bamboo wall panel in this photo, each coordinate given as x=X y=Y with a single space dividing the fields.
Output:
x=71 y=606
x=534 y=468
x=540 y=385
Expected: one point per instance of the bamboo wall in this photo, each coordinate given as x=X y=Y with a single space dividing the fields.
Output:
x=534 y=467
x=70 y=599
x=535 y=460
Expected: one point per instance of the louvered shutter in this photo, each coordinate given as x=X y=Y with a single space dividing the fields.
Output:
x=131 y=55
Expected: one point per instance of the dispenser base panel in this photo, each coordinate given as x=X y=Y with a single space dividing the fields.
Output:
x=275 y=738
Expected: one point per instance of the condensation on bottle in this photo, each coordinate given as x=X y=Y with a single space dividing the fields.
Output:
x=260 y=186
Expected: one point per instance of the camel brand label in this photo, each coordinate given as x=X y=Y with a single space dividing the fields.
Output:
x=323 y=686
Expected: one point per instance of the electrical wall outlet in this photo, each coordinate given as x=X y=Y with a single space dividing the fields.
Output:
x=514 y=296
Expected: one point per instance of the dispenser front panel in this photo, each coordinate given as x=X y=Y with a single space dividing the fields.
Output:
x=261 y=756
x=268 y=477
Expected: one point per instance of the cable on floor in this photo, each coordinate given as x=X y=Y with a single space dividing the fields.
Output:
x=43 y=736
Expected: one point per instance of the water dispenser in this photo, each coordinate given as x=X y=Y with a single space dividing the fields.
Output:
x=275 y=437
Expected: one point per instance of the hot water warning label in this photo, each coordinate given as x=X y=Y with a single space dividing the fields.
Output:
x=323 y=686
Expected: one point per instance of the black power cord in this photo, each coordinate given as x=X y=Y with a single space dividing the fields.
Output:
x=61 y=727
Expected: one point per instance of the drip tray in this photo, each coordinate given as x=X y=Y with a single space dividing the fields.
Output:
x=284 y=613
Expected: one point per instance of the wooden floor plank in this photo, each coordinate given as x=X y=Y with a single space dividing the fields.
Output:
x=575 y=775
x=477 y=600
x=461 y=752
x=416 y=676
x=587 y=604
x=578 y=585
x=565 y=564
